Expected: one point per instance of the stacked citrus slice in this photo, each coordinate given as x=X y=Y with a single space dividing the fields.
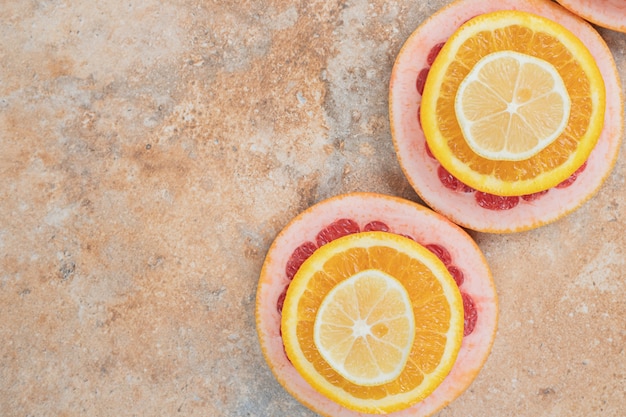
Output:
x=371 y=304
x=505 y=115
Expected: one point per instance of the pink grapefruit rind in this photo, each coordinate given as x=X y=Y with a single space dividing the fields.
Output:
x=421 y=170
x=610 y=14
x=402 y=216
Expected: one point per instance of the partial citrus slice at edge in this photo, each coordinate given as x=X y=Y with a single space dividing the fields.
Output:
x=610 y=14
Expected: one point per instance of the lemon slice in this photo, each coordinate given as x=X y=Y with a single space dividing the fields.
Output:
x=365 y=328
x=511 y=106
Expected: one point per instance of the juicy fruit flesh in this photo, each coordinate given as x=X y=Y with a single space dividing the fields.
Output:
x=483 y=200
x=552 y=164
x=511 y=105
x=365 y=328
x=425 y=368
x=495 y=202
x=343 y=227
x=551 y=157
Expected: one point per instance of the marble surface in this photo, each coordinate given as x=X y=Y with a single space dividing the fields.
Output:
x=151 y=151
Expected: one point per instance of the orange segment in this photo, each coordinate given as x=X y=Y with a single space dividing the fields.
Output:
x=531 y=35
x=354 y=289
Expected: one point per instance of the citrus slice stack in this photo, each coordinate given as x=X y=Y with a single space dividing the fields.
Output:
x=369 y=303
x=476 y=67
x=374 y=321
x=503 y=85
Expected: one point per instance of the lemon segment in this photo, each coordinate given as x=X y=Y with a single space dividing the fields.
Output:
x=365 y=328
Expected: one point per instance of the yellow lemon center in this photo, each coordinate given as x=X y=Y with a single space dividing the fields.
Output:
x=365 y=328
x=511 y=106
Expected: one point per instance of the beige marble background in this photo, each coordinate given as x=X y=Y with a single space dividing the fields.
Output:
x=150 y=152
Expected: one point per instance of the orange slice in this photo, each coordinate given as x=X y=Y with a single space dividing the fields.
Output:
x=538 y=37
x=394 y=311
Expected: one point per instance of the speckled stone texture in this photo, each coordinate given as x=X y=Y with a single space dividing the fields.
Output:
x=151 y=151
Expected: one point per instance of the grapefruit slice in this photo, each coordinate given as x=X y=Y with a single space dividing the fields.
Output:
x=610 y=14
x=363 y=212
x=446 y=194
